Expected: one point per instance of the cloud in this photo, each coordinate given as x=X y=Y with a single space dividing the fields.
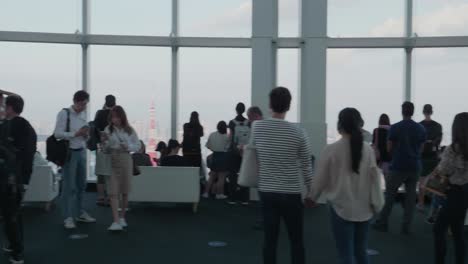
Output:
x=451 y=20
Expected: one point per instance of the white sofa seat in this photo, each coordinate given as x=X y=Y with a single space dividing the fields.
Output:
x=167 y=184
x=42 y=187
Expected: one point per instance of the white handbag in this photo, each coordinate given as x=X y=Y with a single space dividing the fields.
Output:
x=248 y=175
x=103 y=164
x=377 y=197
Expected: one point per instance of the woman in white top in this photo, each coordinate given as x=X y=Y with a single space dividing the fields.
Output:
x=119 y=139
x=344 y=177
x=218 y=142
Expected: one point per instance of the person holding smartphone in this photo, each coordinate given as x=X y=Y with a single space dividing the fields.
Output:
x=119 y=139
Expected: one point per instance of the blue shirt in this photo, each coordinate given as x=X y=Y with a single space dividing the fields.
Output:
x=407 y=138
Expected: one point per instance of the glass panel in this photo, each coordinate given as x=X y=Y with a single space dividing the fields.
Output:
x=137 y=17
x=366 y=18
x=213 y=87
x=214 y=18
x=140 y=78
x=440 y=79
x=288 y=76
x=441 y=18
x=37 y=71
x=56 y=16
x=369 y=80
x=289 y=16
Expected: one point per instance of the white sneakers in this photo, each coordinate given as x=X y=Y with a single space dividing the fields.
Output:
x=85 y=218
x=118 y=226
x=115 y=227
x=123 y=223
x=220 y=197
x=69 y=223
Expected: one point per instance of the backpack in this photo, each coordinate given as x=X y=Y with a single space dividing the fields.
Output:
x=57 y=150
x=7 y=156
x=241 y=133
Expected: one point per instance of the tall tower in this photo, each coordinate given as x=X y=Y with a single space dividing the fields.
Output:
x=152 y=132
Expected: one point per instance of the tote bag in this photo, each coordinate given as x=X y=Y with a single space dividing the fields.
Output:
x=248 y=175
x=377 y=197
x=103 y=164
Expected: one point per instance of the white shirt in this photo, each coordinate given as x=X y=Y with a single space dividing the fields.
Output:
x=218 y=142
x=348 y=192
x=119 y=137
x=77 y=121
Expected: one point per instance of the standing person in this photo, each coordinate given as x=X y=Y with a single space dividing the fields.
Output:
x=172 y=158
x=283 y=153
x=430 y=157
x=191 y=148
x=74 y=169
x=367 y=136
x=18 y=138
x=454 y=166
x=101 y=121
x=343 y=174
x=379 y=143
x=405 y=141
x=2 y=103
x=254 y=113
x=119 y=139
x=239 y=129
x=218 y=142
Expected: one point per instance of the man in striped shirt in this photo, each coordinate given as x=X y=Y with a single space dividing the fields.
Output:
x=283 y=152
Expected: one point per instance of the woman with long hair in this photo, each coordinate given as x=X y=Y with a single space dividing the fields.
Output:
x=379 y=143
x=191 y=148
x=454 y=168
x=344 y=174
x=119 y=139
x=219 y=143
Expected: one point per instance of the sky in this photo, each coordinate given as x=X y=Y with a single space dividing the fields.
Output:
x=212 y=80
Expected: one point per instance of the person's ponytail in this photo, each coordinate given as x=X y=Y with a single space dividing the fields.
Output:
x=349 y=122
x=356 y=148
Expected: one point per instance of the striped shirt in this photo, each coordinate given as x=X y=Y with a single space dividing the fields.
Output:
x=284 y=156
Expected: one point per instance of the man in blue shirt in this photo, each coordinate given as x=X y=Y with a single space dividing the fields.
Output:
x=405 y=141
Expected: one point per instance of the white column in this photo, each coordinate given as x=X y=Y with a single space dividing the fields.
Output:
x=264 y=35
x=85 y=51
x=312 y=94
x=408 y=95
x=175 y=70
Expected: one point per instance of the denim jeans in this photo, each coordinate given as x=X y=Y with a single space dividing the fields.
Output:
x=395 y=180
x=74 y=184
x=351 y=239
x=289 y=207
x=452 y=215
x=10 y=208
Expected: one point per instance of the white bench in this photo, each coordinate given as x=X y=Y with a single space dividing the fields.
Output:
x=167 y=184
x=43 y=186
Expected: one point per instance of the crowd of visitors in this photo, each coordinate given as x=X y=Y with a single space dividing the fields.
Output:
x=348 y=173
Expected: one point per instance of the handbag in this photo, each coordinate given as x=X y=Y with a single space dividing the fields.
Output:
x=136 y=169
x=248 y=175
x=437 y=185
x=377 y=197
x=103 y=163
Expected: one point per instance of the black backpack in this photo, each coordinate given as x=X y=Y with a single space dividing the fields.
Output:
x=7 y=155
x=57 y=150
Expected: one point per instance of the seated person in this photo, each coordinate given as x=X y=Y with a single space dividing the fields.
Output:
x=141 y=158
x=173 y=159
x=162 y=149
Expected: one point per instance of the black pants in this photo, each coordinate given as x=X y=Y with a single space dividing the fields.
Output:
x=452 y=215
x=10 y=206
x=289 y=207
x=237 y=193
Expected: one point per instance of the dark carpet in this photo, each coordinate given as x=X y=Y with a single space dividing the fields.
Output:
x=164 y=233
